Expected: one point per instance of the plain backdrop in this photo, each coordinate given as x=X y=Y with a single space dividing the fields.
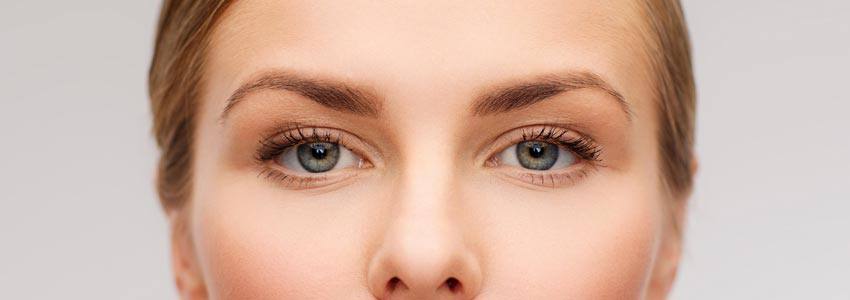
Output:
x=79 y=218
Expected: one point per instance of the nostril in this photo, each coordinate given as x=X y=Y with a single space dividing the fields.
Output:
x=454 y=285
x=391 y=285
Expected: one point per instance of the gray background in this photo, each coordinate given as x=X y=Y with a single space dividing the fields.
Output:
x=769 y=218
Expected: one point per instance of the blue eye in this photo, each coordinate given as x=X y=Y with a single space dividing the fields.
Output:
x=317 y=157
x=537 y=155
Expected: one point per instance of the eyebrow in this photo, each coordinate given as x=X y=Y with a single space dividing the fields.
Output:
x=346 y=98
x=332 y=94
x=523 y=95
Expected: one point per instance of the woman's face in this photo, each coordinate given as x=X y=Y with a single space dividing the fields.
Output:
x=433 y=149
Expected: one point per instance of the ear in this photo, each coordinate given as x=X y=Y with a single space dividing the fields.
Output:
x=670 y=251
x=184 y=264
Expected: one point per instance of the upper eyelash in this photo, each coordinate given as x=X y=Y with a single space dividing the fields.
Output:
x=272 y=146
x=582 y=146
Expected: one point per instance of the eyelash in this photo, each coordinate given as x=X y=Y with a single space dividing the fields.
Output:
x=272 y=146
x=587 y=151
x=289 y=136
x=582 y=146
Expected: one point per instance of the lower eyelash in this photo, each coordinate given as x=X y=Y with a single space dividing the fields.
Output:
x=268 y=173
x=556 y=179
x=288 y=180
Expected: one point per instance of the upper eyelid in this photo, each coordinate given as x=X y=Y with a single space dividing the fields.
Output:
x=311 y=132
x=548 y=131
x=369 y=152
x=344 y=138
x=533 y=132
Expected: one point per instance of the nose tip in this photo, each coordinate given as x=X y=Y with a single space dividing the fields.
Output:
x=424 y=266
x=399 y=276
x=421 y=251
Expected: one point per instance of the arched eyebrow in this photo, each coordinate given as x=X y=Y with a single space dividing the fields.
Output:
x=336 y=95
x=518 y=96
x=347 y=98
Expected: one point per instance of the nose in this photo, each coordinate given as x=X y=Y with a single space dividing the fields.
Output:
x=422 y=254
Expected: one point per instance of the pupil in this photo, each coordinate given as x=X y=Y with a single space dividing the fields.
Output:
x=536 y=150
x=319 y=151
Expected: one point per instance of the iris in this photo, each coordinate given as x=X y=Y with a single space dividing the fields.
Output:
x=537 y=155
x=318 y=157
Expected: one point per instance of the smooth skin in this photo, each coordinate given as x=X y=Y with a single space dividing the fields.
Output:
x=425 y=212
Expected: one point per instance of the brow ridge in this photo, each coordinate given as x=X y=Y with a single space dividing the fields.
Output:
x=525 y=94
x=332 y=94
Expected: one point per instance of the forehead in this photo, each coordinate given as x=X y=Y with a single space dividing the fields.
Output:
x=408 y=45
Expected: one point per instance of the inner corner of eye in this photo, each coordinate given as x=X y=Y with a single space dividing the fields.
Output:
x=492 y=162
x=505 y=156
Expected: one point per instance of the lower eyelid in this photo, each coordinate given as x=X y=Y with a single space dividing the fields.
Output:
x=305 y=181
x=549 y=179
x=295 y=180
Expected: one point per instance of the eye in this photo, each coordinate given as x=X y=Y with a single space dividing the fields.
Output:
x=537 y=155
x=317 y=157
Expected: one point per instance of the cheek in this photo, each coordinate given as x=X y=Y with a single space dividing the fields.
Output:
x=251 y=243
x=584 y=244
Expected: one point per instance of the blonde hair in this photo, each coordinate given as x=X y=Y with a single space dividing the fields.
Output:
x=669 y=52
x=175 y=80
x=174 y=84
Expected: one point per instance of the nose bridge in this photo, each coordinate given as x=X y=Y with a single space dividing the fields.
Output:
x=422 y=252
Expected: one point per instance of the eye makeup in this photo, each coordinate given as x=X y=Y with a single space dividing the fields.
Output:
x=585 y=155
x=290 y=139
x=279 y=153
